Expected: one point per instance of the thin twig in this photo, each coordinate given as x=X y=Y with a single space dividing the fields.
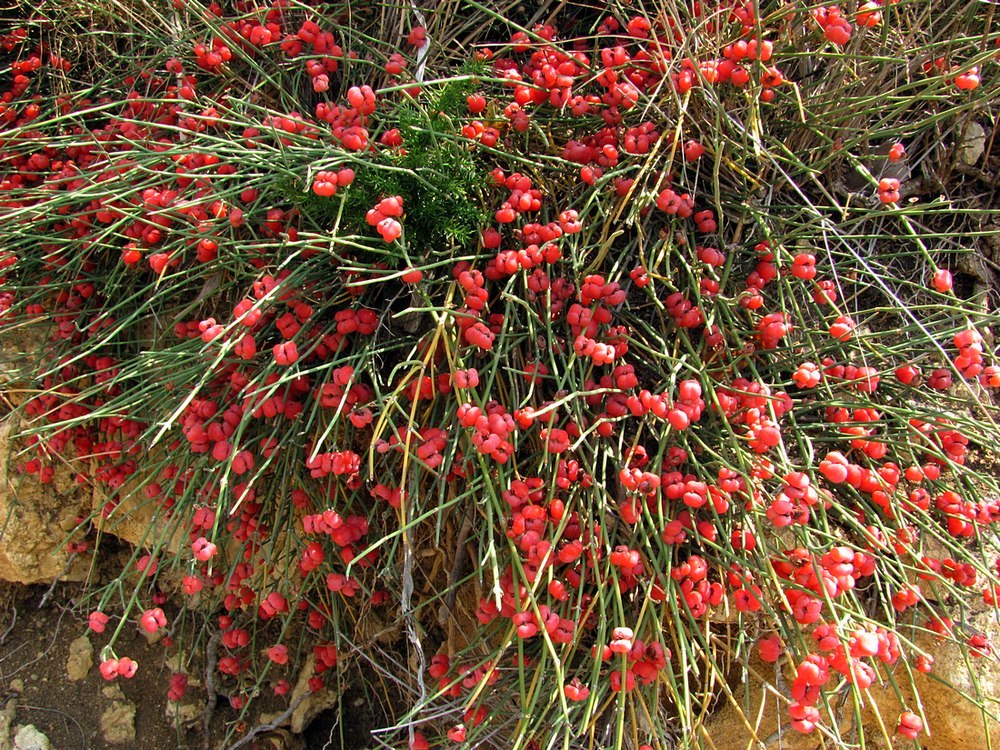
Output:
x=83 y=735
x=272 y=725
x=48 y=594
x=10 y=627
x=211 y=658
x=405 y=602
x=461 y=554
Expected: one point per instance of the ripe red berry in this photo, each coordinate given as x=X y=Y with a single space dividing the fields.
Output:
x=940 y=379
x=888 y=190
x=476 y=103
x=968 y=80
x=910 y=725
x=109 y=669
x=869 y=14
x=842 y=328
x=576 y=691
x=127 y=667
x=417 y=36
x=804 y=266
x=285 y=353
x=770 y=648
x=942 y=280
x=693 y=150
x=152 y=620
x=412 y=276
x=203 y=549
x=278 y=654
x=97 y=621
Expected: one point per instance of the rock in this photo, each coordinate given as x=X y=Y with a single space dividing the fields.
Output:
x=313 y=703
x=113 y=692
x=155 y=637
x=953 y=721
x=272 y=718
x=6 y=719
x=765 y=723
x=118 y=723
x=279 y=739
x=29 y=738
x=973 y=144
x=80 y=659
x=184 y=715
x=140 y=523
x=133 y=521
x=36 y=520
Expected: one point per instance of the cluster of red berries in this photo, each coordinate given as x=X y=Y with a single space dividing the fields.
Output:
x=326 y=183
x=246 y=415
x=384 y=218
x=888 y=190
x=835 y=26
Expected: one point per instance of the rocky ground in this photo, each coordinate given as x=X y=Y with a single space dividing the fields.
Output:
x=53 y=696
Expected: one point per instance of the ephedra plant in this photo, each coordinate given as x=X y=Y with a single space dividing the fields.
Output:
x=552 y=365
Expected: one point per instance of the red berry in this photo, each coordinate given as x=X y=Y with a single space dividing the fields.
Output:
x=417 y=36
x=203 y=549
x=412 y=276
x=109 y=669
x=278 y=654
x=910 y=725
x=770 y=648
x=97 y=621
x=842 y=328
x=476 y=103
x=286 y=353
x=942 y=280
x=693 y=151
x=969 y=80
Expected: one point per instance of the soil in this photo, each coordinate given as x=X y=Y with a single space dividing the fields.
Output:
x=40 y=628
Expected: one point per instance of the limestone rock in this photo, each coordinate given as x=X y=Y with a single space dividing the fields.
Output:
x=184 y=714
x=6 y=719
x=36 y=518
x=272 y=718
x=953 y=721
x=29 y=738
x=759 y=718
x=313 y=703
x=80 y=659
x=133 y=521
x=15 y=344
x=118 y=723
x=279 y=739
x=113 y=692
x=973 y=143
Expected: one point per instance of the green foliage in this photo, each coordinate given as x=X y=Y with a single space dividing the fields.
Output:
x=288 y=370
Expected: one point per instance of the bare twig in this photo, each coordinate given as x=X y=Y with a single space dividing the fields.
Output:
x=461 y=555
x=48 y=594
x=406 y=605
x=211 y=659
x=10 y=628
x=270 y=726
x=63 y=714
